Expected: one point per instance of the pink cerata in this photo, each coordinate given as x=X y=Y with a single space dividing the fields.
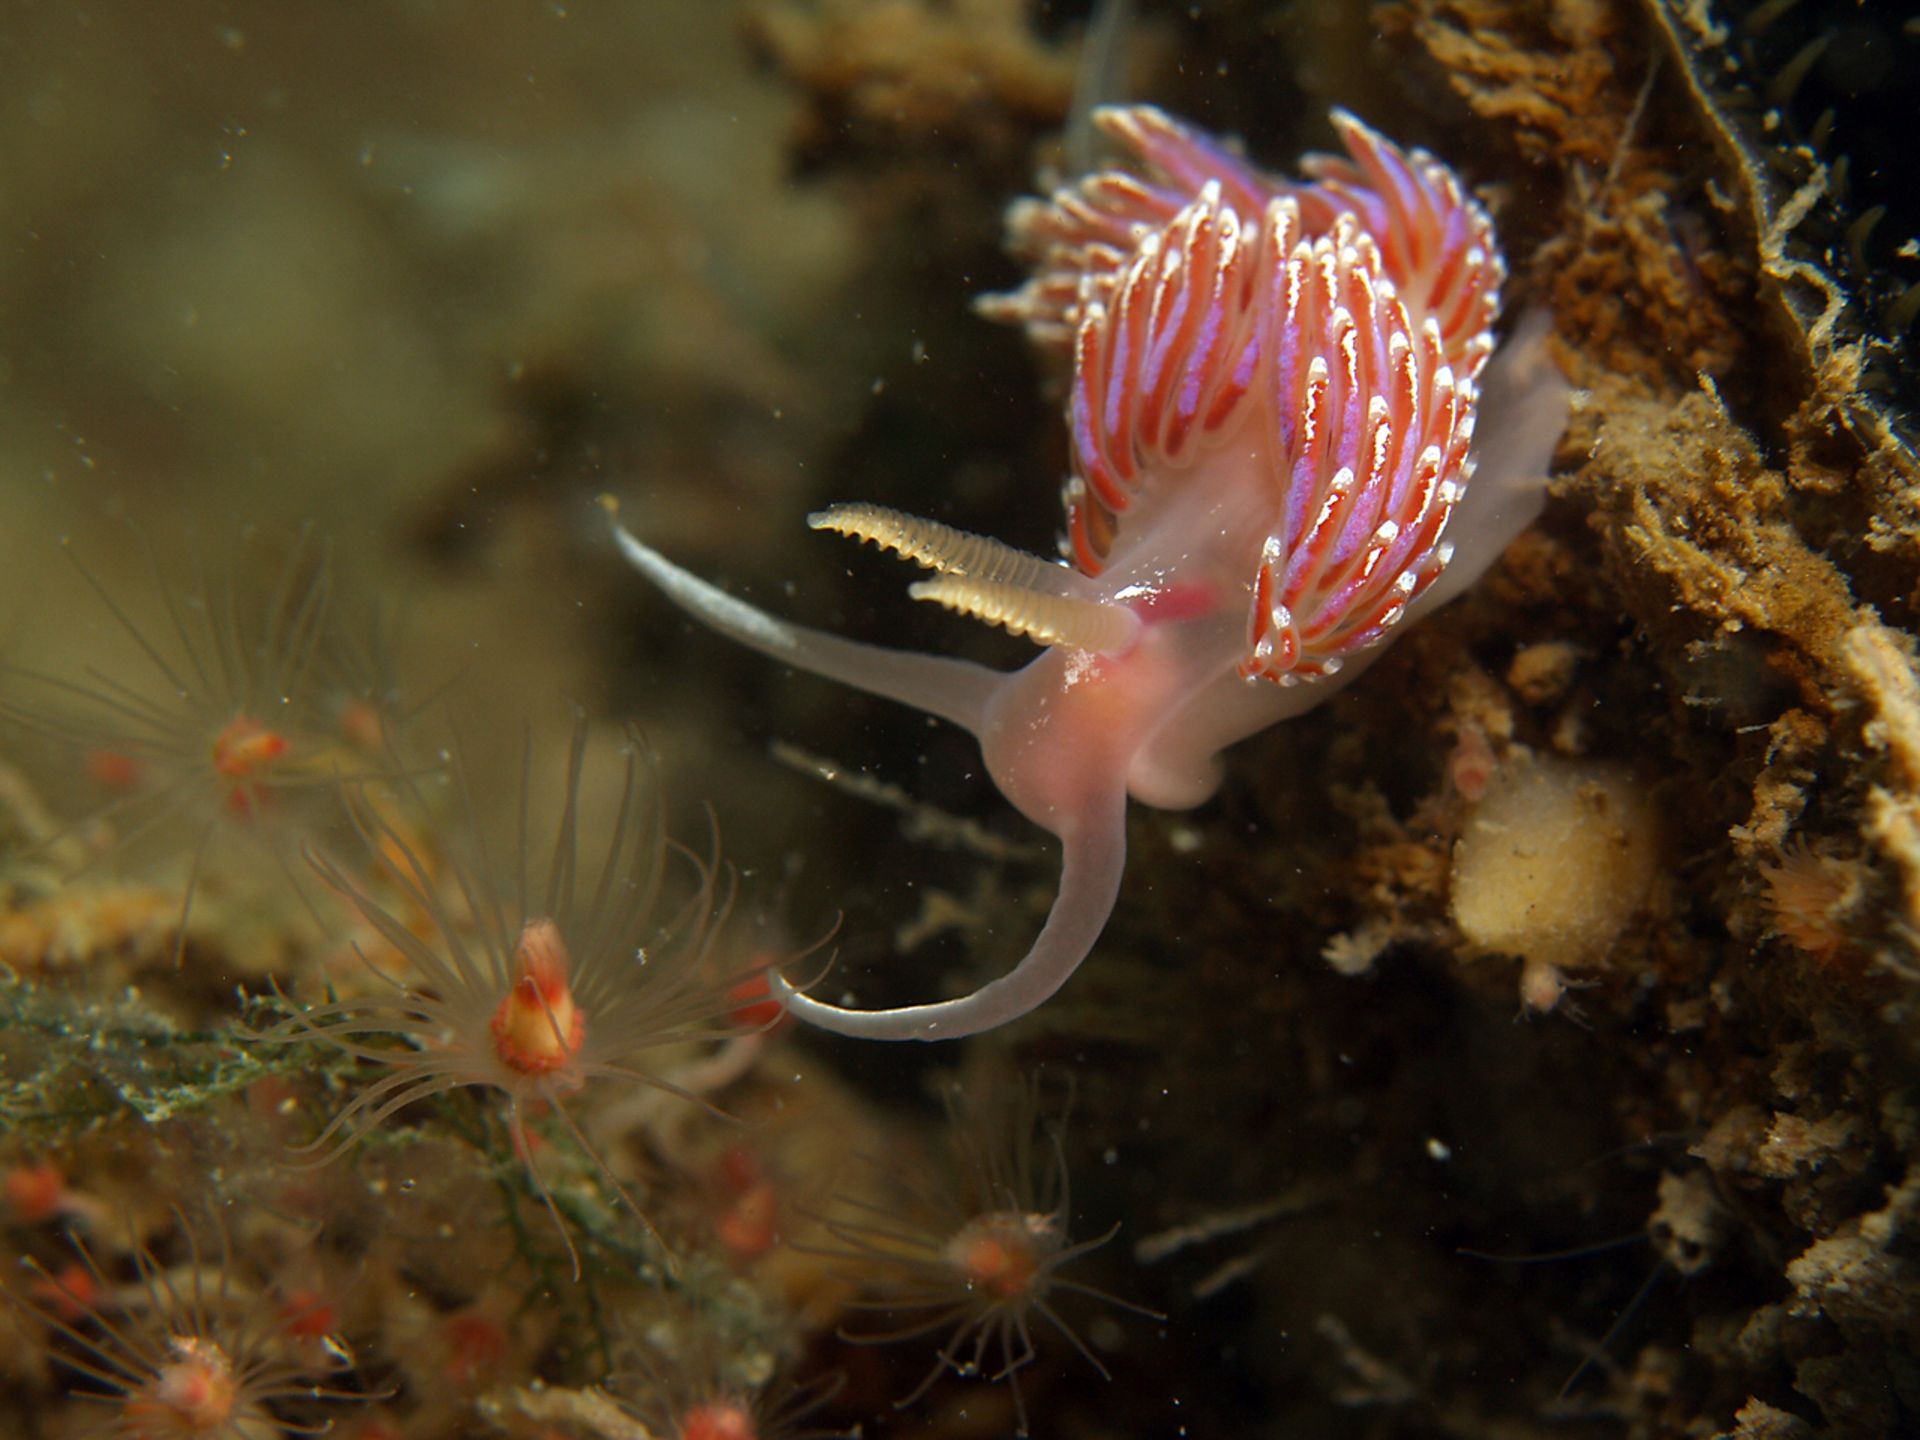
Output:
x=1287 y=440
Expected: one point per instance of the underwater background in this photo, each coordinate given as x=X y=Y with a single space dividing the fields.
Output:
x=1523 y=1042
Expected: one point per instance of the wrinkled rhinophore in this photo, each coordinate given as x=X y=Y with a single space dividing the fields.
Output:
x=1276 y=385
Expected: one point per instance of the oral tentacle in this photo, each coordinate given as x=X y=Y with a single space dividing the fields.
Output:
x=1094 y=855
x=954 y=690
x=1095 y=625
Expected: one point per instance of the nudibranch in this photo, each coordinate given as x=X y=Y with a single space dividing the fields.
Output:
x=1275 y=392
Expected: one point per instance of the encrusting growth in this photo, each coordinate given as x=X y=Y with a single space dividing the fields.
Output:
x=532 y=980
x=1275 y=388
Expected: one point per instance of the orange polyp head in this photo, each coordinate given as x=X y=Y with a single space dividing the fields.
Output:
x=34 y=1192
x=538 y=1028
x=194 y=1393
x=739 y=1167
x=243 y=752
x=307 y=1315
x=1001 y=1253
x=69 y=1294
x=477 y=1345
x=245 y=747
x=750 y=1226
x=755 y=1008
x=718 y=1420
x=364 y=726
x=114 y=770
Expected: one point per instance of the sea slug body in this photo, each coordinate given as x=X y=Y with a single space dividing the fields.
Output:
x=1276 y=391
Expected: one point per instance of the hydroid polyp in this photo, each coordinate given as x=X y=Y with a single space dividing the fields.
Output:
x=527 y=978
x=184 y=1352
x=235 y=705
x=980 y=1257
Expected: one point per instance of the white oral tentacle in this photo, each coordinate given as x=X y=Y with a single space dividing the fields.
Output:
x=956 y=690
x=1093 y=859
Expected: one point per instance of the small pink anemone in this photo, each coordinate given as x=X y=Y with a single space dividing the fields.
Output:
x=532 y=980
